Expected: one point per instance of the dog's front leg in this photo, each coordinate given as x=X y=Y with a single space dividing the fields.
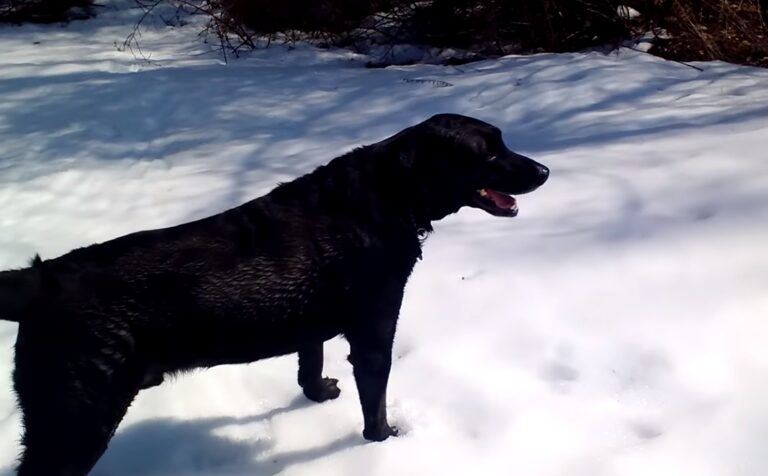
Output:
x=316 y=387
x=371 y=358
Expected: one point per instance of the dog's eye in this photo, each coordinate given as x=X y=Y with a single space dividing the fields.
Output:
x=491 y=158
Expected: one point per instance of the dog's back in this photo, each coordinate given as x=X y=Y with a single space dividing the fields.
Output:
x=234 y=287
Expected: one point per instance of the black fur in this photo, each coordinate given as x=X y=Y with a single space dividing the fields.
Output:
x=326 y=254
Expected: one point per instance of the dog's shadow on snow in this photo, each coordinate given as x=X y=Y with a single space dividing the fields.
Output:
x=165 y=446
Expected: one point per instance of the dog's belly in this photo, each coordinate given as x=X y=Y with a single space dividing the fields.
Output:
x=223 y=340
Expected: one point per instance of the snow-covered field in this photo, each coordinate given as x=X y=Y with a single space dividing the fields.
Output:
x=617 y=327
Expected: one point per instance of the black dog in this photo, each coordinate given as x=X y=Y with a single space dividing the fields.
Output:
x=326 y=254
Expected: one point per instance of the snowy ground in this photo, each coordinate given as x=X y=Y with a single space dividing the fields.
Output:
x=617 y=327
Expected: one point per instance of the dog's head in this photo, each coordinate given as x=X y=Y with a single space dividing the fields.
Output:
x=461 y=161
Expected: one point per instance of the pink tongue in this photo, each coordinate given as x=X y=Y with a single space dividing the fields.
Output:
x=501 y=200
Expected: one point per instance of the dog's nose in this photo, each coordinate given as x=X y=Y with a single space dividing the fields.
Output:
x=543 y=170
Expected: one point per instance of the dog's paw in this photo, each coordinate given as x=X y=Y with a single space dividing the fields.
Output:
x=381 y=433
x=325 y=389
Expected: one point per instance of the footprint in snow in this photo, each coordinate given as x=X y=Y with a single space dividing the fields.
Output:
x=645 y=430
x=560 y=375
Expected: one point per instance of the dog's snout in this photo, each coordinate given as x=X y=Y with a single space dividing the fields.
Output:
x=543 y=170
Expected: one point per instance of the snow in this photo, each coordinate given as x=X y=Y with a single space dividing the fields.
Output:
x=626 y=12
x=616 y=327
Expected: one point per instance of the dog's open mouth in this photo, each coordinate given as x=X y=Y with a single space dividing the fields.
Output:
x=496 y=203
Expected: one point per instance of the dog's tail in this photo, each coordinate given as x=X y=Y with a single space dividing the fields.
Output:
x=19 y=289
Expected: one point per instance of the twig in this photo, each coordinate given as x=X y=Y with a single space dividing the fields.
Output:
x=434 y=82
x=132 y=38
x=676 y=61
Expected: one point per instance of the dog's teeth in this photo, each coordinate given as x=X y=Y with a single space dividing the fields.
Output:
x=483 y=192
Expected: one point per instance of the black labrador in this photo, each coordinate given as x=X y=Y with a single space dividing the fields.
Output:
x=326 y=254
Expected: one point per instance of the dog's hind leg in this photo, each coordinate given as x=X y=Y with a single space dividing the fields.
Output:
x=66 y=438
x=316 y=387
x=71 y=405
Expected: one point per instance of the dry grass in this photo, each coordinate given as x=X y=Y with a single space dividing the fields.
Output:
x=730 y=30
x=43 y=11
